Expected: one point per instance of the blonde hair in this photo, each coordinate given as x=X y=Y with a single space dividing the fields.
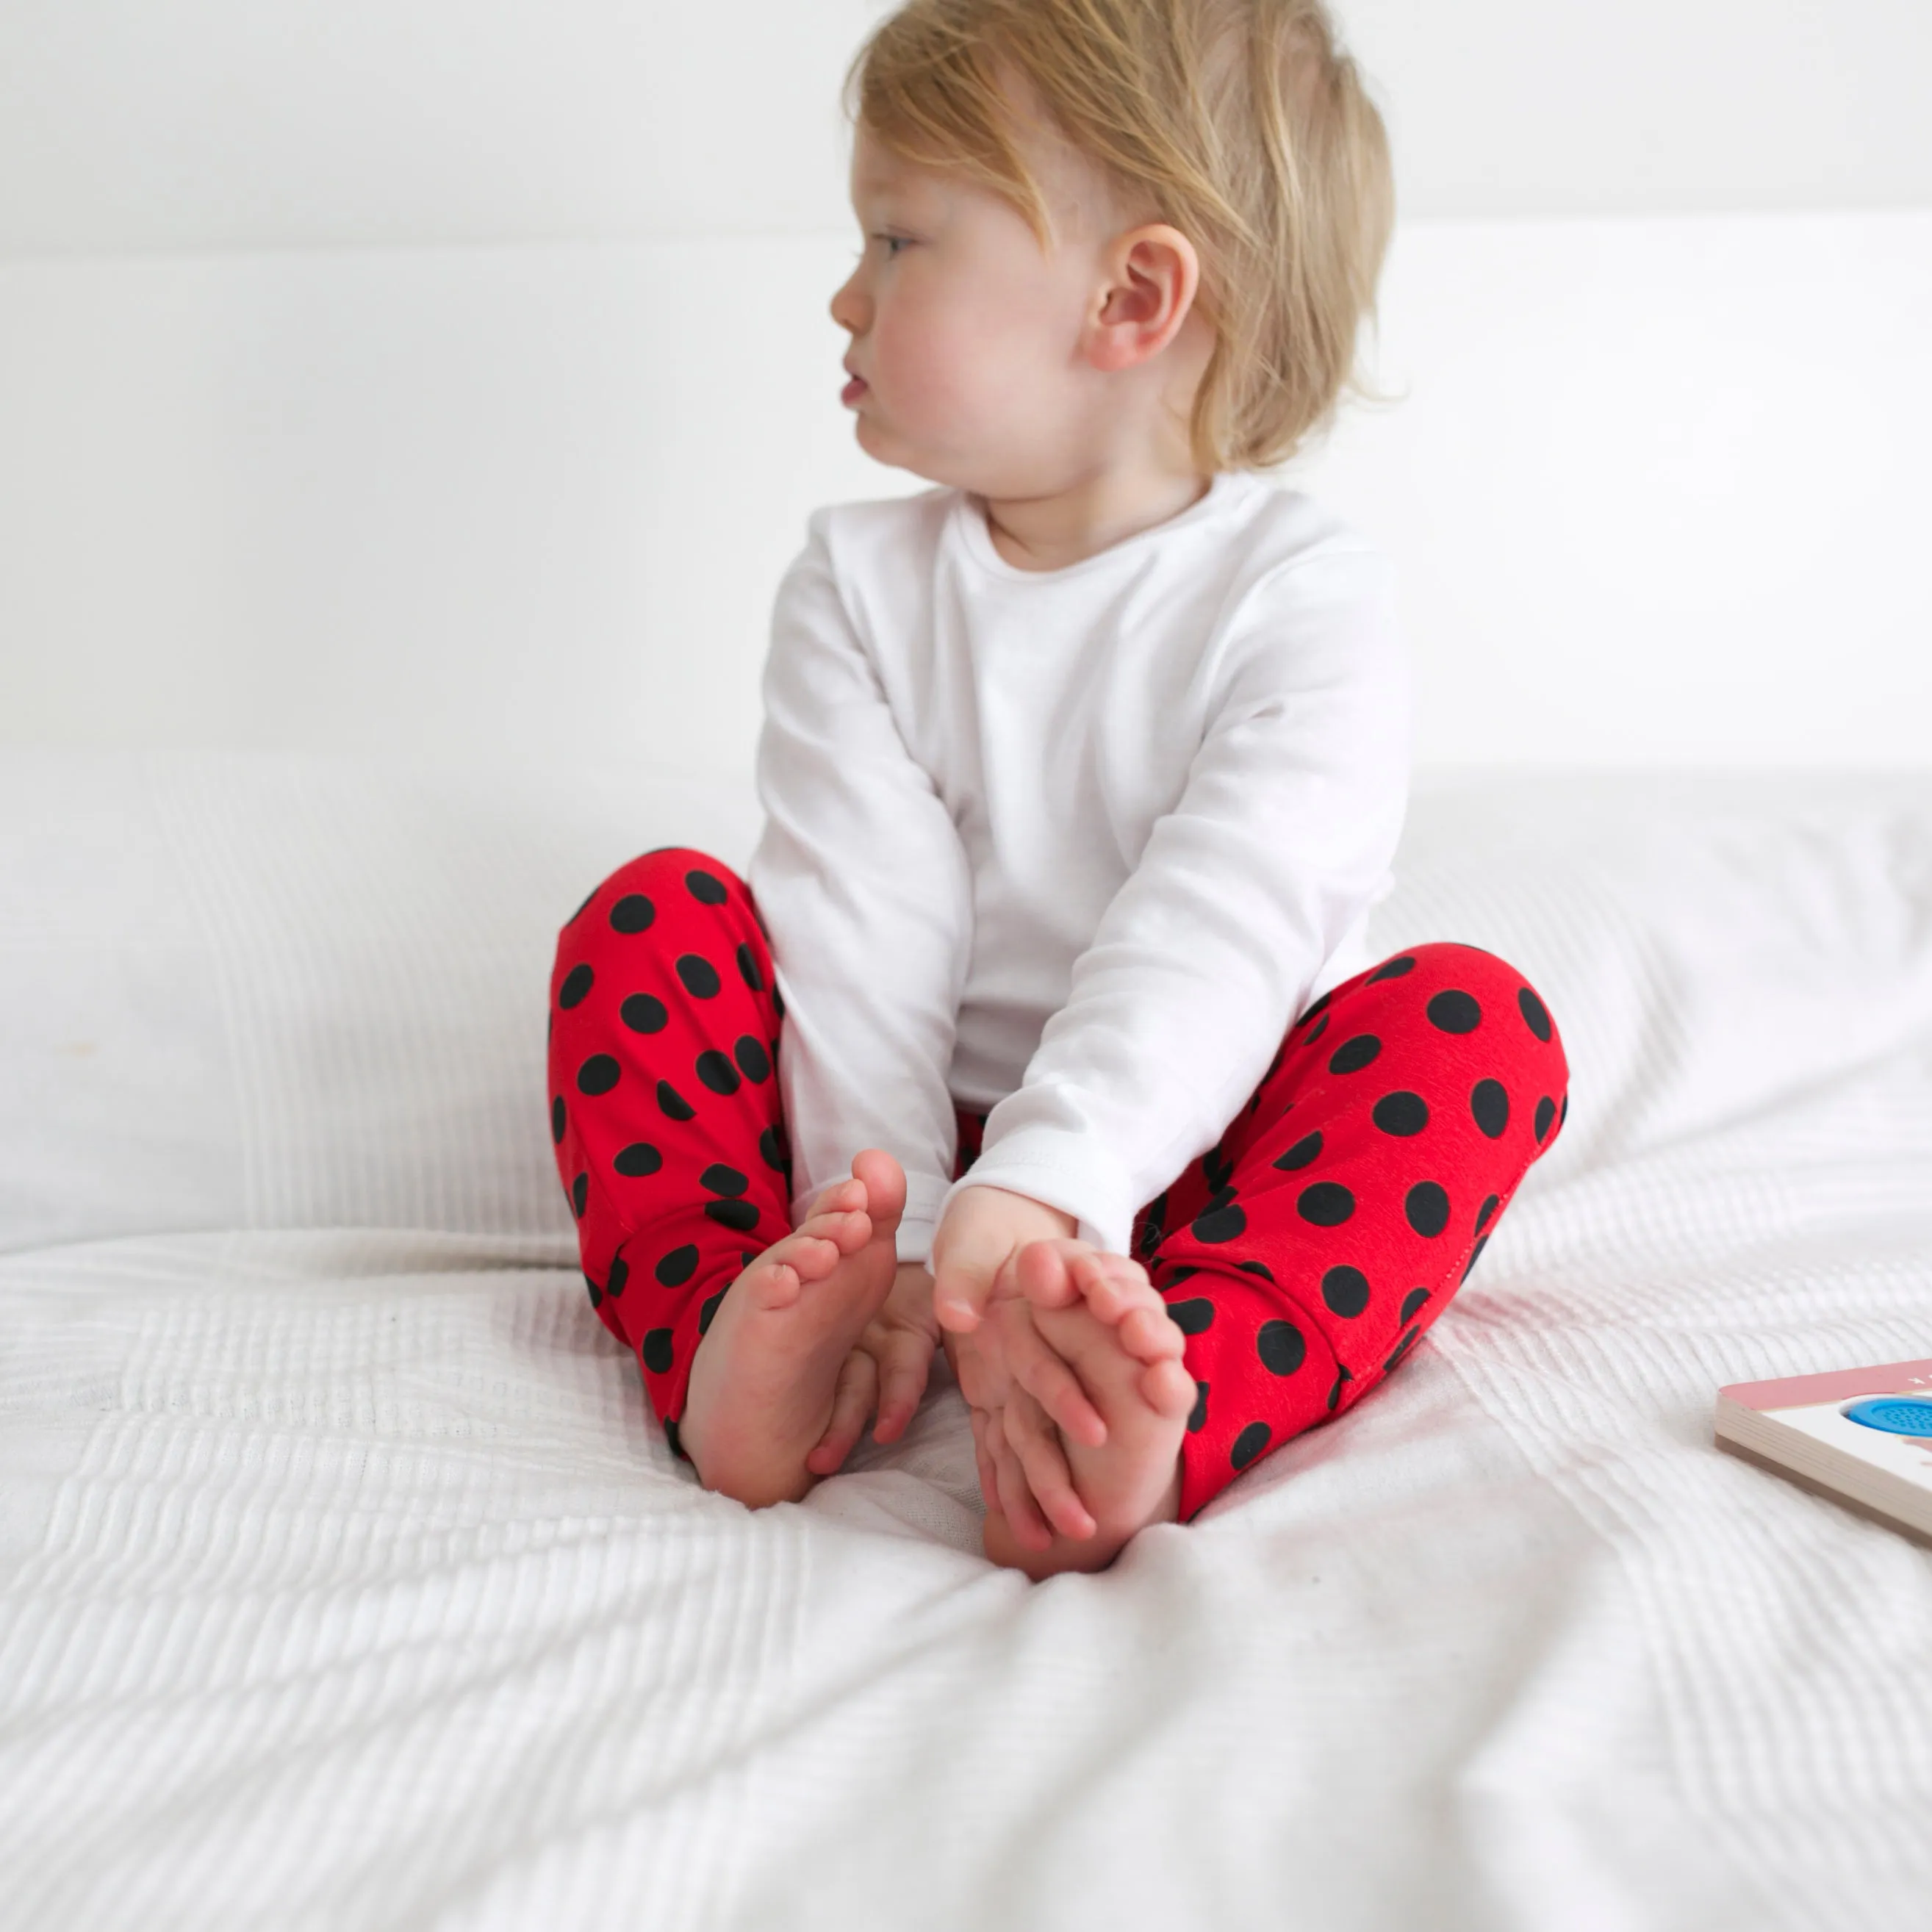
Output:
x=1240 y=122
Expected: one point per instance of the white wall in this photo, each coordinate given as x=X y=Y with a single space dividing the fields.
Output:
x=228 y=124
x=456 y=378
x=1549 y=107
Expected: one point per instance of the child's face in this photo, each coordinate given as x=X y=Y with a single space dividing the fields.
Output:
x=966 y=335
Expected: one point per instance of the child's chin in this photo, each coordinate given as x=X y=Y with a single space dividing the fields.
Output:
x=895 y=452
x=880 y=445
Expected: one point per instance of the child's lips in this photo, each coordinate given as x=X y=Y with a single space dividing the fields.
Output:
x=853 y=391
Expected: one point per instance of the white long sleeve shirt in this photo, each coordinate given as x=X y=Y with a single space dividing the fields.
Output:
x=1073 y=845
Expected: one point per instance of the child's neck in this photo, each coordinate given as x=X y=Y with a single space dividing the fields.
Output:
x=1051 y=532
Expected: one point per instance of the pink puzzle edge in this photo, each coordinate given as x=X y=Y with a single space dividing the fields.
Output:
x=1838 y=1385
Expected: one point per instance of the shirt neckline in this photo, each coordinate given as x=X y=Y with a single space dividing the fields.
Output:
x=969 y=515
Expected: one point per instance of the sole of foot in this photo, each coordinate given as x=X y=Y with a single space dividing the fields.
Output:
x=1131 y=1479
x=763 y=1378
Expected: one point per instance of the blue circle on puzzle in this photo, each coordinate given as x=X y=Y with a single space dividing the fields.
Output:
x=1896 y=1414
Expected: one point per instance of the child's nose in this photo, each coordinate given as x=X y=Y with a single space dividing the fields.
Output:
x=849 y=308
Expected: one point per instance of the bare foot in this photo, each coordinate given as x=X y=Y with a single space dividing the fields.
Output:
x=1117 y=1338
x=763 y=1380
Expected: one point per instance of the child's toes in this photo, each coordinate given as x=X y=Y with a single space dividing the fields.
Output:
x=770 y=1282
x=838 y=1195
x=1168 y=1389
x=776 y=1275
x=1044 y=1278
x=1111 y=1284
x=1150 y=1334
x=847 y=1229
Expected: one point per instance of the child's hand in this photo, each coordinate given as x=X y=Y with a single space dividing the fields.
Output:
x=1035 y=1475
x=980 y=1234
x=885 y=1371
x=978 y=1300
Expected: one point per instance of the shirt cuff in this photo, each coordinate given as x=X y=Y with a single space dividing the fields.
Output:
x=1065 y=1171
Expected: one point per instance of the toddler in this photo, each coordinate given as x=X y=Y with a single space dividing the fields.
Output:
x=1043 y=1027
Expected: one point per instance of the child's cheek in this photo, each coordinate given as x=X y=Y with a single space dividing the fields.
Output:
x=930 y=367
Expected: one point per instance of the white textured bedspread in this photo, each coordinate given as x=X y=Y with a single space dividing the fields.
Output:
x=345 y=1581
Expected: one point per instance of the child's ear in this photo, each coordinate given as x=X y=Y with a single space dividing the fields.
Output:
x=1153 y=277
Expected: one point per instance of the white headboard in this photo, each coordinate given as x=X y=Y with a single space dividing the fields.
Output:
x=1656 y=486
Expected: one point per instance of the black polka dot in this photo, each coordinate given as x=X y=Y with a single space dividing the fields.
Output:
x=1352 y=1055
x=746 y=1256
x=1299 y=1156
x=675 y=1105
x=633 y=912
x=742 y=1215
x=1535 y=1014
x=1197 y=1417
x=1563 y=1113
x=1393 y=969
x=674 y=1442
x=676 y=1268
x=1321 y=1005
x=1219 y=1224
x=596 y=1294
x=1402 y=1114
x=1335 y=1394
x=719 y=1179
x=1475 y=1255
x=1345 y=1290
x=1411 y=1301
x=1315 y=1032
x=1483 y=1213
x=1281 y=1347
x=1327 y=1204
x=1250 y=1444
x=1261 y=1268
x=1545 y=1112
x=598 y=1074
x=559 y=1119
x=751 y=1056
x=643 y=1014
x=1489 y=1105
x=1454 y=1012
x=748 y=968
x=637 y=1160
x=1402 y=1348
x=771 y=1150
x=1217 y=1168
x=778 y=1002
x=577 y=984
x=700 y=976
x=580 y=1195
x=1177 y=1276
x=717 y=1073
x=1192 y=1317
x=708 y=1312
x=657 y=1352
x=706 y=887
x=1427 y=1207
x=620 y=1272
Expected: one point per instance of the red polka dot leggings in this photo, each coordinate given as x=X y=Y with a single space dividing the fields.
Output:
x=1303 y=1256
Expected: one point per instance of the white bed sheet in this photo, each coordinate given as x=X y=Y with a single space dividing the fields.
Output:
x=344 y=1579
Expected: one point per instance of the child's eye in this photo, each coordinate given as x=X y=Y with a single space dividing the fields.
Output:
x=893 y=244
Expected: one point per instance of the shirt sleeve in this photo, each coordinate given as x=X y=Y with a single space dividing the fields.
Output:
x=865 y=888
x=1280 y=841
